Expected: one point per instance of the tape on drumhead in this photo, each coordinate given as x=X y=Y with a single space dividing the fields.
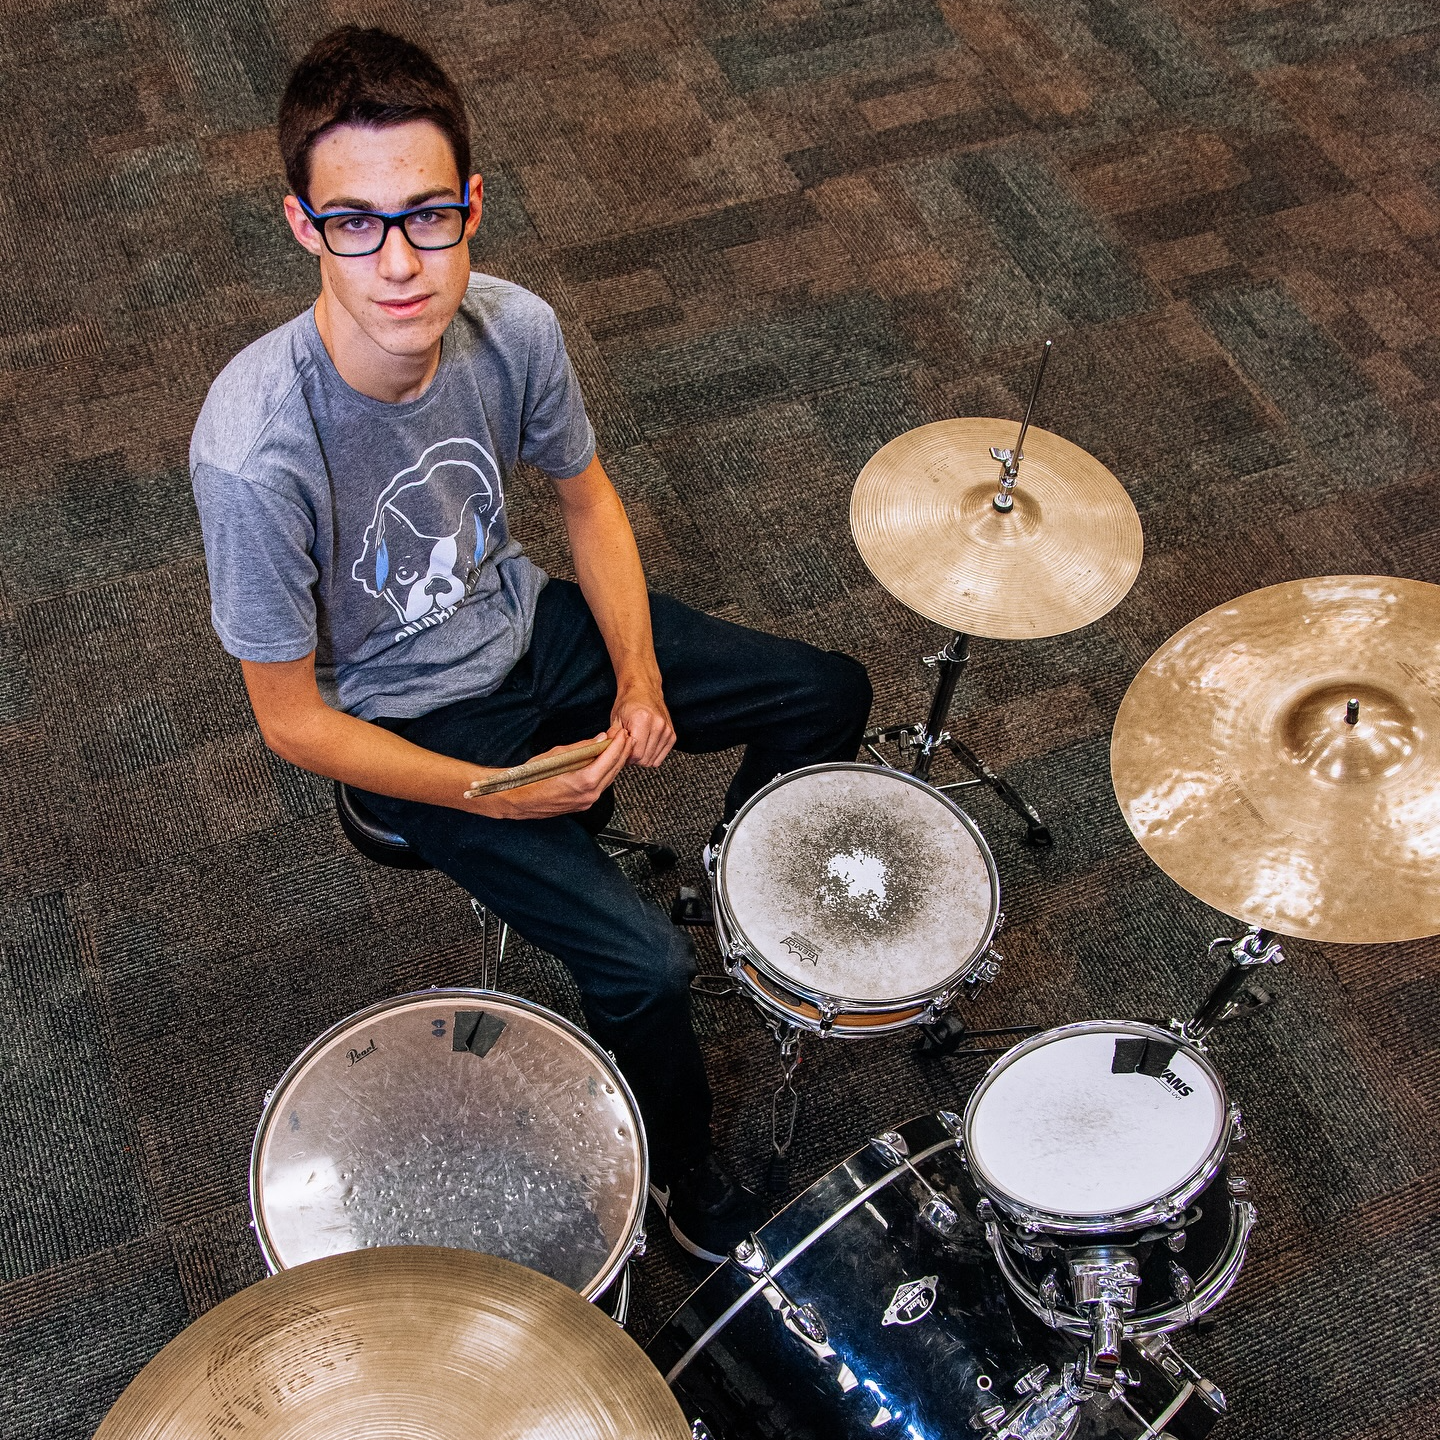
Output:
x=1138 y=1054
x=475 y=1031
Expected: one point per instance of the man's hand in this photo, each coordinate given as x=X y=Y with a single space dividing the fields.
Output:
x=562 y=794
x=641 y=710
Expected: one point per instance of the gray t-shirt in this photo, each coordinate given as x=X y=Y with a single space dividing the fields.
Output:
x=376 y=534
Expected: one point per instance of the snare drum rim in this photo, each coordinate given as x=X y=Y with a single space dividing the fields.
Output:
x=734 y=933
x=622 y=1252
x=1161 y=1207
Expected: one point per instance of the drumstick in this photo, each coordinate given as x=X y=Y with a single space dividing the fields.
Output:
x=543 y=767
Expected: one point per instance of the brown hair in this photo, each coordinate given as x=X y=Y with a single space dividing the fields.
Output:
x=354 y=76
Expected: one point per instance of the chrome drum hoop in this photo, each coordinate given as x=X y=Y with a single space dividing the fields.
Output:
x=1143 y=1325
x=1162 y=1208
x=632 y=1244
x=737 y=951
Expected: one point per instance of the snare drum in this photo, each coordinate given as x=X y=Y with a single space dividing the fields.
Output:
x=851 y=900
x=459 y=1118
x=1089 y=1153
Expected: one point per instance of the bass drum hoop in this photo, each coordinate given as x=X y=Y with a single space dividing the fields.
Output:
x=740 y=948
x=1158 y=1209
x=633 y=1242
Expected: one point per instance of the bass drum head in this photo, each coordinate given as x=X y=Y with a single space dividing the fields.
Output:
x=456 y=1118
x=858 y=883
x=1054 y=1129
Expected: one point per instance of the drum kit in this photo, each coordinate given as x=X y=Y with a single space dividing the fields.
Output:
x=440 y=1183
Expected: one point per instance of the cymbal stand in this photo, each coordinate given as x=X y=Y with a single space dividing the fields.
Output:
x=1233 y=996
x=950 y=662
x=925 y=739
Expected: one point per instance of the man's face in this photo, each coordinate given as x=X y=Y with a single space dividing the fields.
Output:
x=400 y=298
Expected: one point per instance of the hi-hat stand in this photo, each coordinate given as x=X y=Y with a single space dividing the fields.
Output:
x=918 y=743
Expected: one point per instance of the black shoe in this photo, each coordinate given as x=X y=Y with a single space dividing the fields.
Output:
x=709 y=1211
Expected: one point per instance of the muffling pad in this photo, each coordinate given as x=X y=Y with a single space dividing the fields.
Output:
x=1136 y=1054
x=475 y=1031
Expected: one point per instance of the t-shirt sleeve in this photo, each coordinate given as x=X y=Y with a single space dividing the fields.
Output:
x=262 y=576
x=556 y=435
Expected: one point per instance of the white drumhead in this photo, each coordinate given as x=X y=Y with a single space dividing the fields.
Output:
x=388 y=1130
x=859 y=883
x=1055 y=1129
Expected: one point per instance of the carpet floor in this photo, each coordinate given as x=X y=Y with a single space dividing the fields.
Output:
x=778 y=233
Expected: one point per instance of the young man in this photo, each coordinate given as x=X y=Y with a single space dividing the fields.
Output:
x=349 y=470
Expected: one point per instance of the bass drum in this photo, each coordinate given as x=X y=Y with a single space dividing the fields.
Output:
x=871 y=1306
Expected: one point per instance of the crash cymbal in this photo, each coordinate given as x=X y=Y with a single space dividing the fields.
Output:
x=923 y=521
x=412 y=1341
x=1238 y=772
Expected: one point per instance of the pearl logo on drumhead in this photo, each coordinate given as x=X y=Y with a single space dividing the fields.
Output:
x=912 y=1301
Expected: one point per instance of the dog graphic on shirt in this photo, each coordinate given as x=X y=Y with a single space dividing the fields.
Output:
x=431 y=530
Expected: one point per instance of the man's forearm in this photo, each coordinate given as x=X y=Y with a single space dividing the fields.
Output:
x=612 y=579
x=355 y=752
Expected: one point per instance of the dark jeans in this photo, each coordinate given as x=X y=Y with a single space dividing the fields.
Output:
x=788 y=703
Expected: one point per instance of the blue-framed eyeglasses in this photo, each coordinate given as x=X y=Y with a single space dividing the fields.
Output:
x=363 y=232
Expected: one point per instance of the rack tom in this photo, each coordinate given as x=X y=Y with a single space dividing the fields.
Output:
x=851 y=899
x=1102 y=1147
x=458 y=1118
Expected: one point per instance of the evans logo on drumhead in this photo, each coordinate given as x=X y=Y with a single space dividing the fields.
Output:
x=1170 y=1078
x=911 y=1301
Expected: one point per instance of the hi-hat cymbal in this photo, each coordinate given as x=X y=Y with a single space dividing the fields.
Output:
x=1239 y=774
x=411 y=1341
x=923 y=521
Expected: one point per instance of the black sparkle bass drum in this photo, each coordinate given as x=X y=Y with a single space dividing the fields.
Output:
x=872 y=1306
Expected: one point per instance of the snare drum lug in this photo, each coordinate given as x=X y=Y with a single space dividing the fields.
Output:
x=828 y=1012
x=637 y=1248
x=1237 y=1124
x=1237 y=1185
x=1182 y=1285
x=1176 y=1241
x=268 y=1095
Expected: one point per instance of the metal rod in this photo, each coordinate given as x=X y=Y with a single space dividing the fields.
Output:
x=950 y=664
x=1029 y=408
x=1010 y=459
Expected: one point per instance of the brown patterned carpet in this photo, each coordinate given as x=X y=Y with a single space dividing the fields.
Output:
x=778 y=233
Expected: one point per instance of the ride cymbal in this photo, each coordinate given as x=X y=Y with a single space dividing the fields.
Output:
x=925 y=525
x=1240 y=774
x=411 y=1341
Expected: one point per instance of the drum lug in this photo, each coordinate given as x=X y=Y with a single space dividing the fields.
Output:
x=984 y=971
x=937 y=1212
x=1237 y=1185
x=1182 y=1285
x=936 y=1007
x=828 y=1011
x=956 y=1126
x=1237 y=1124
x=751 y=1256
x=637 y=1246
x=1176 y=1241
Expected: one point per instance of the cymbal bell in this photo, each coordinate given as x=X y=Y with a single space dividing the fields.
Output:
x=925 y=525
x=1245 y=773
x=408 y=1341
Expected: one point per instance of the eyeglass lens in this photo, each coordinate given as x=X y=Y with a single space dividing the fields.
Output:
x=364 y=234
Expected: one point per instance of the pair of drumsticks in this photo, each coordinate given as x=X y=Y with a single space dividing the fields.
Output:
x=543 y=767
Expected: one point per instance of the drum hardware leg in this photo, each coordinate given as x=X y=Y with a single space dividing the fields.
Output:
x=717 y=987
x=691 y=908
x=937 y=1212
x=490 y=973
x=1226 y=1001
x=777 y=1172
x=948 y=1033
x=1159 y=1351
x=925 y=739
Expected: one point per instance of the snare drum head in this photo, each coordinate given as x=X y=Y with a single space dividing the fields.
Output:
x=463 y=1119
x=1053 y=1128
x=859 y=883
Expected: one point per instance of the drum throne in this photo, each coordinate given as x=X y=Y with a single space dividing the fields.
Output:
x=379 y=843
